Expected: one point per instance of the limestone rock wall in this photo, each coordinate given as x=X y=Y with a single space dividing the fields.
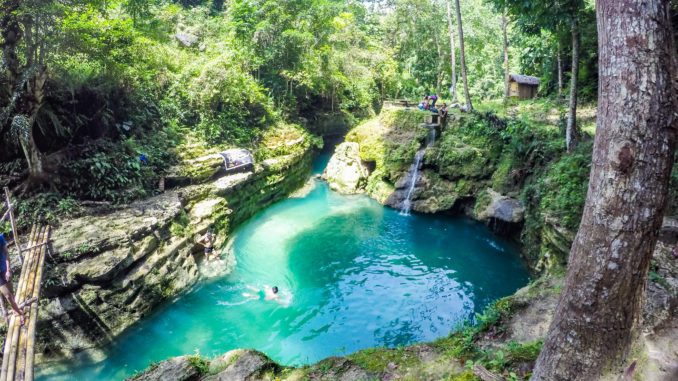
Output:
x=345 y=172
x=110 y=270
x=463 y=172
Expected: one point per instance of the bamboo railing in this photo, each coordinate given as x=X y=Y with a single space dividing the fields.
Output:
x=10 y=214
x=19 y=348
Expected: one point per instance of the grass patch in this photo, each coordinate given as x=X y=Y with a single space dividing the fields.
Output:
x=377 y=359
x=460 y=345
x=661 y=281
x=200 y=364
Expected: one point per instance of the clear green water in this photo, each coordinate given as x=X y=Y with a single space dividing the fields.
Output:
x=352 y=275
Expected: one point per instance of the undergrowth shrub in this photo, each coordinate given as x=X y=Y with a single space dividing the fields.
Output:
x=563 y=187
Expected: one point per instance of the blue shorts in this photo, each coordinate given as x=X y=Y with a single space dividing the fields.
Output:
x=3 y=261
x=3 y=269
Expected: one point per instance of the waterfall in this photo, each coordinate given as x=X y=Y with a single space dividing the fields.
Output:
x=413 y=172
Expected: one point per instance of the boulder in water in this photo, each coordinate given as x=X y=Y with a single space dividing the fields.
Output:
x=240 y=364
x=177 y=368
x=345 y=172
x=500 y=207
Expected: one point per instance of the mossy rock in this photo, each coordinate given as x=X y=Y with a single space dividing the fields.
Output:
x=378 y=188
x=391 y=140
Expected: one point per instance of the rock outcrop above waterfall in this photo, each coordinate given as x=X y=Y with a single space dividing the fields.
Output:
x=111 y=268
x=345 y=172
x=539 y=191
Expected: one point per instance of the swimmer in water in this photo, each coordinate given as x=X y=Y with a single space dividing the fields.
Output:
x=267 y=293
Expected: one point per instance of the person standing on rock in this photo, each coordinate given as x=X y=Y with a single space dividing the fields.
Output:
x=433 y=98
x=207 y=241
x=6 y=278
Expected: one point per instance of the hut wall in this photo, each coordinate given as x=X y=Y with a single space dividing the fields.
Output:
x=514 y=89
x=527 y=92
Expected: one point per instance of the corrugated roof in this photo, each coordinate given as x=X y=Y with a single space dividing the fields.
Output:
x=525 y=79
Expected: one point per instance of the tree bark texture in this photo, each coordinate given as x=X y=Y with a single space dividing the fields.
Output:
x=25 y=81
x=462 y=59
x=571 y=129
x=598 y=311
x=10 y=29
x=560 y=71
x=439 y=67
x=453 y=59
x=504 y=27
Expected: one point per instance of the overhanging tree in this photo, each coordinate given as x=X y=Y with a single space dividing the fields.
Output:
x=599 y=309
x=24 y=52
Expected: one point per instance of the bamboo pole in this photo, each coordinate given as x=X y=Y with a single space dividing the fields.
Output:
x=20 y=295
x=29 y=292
x=12 y=328
x=3 y=310
x=2 y=300
x=30 y=356
x=17 y=242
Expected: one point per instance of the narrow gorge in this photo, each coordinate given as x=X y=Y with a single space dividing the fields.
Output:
x=335 y=233
x=352 y=190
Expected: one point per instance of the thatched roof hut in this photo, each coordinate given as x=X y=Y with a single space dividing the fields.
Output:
x=523 y=86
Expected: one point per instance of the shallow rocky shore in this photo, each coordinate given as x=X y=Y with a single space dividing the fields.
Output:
x=359 y=166
x=531 y=311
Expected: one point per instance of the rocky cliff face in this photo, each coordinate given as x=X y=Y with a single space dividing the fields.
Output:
x=469 y=169
x=111 y=269
x=455 y=171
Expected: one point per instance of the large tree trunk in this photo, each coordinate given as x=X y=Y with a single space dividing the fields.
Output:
x=599 y=309
x=10 y=35
x=560 y=71
x=23 y=125
x=504 y=27
x=439 y=67
x=10 y=30
x=453 y=60
x=571 y=129
x=462 y=58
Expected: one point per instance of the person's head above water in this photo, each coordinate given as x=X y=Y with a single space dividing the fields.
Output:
x=275 y=289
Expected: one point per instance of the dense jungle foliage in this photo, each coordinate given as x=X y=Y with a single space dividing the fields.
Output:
x=89 y=86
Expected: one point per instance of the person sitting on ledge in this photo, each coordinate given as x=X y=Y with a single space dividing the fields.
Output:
x=6 y=279
x=424 y=104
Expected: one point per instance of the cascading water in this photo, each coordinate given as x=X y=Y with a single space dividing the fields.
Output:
x=413 y=172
